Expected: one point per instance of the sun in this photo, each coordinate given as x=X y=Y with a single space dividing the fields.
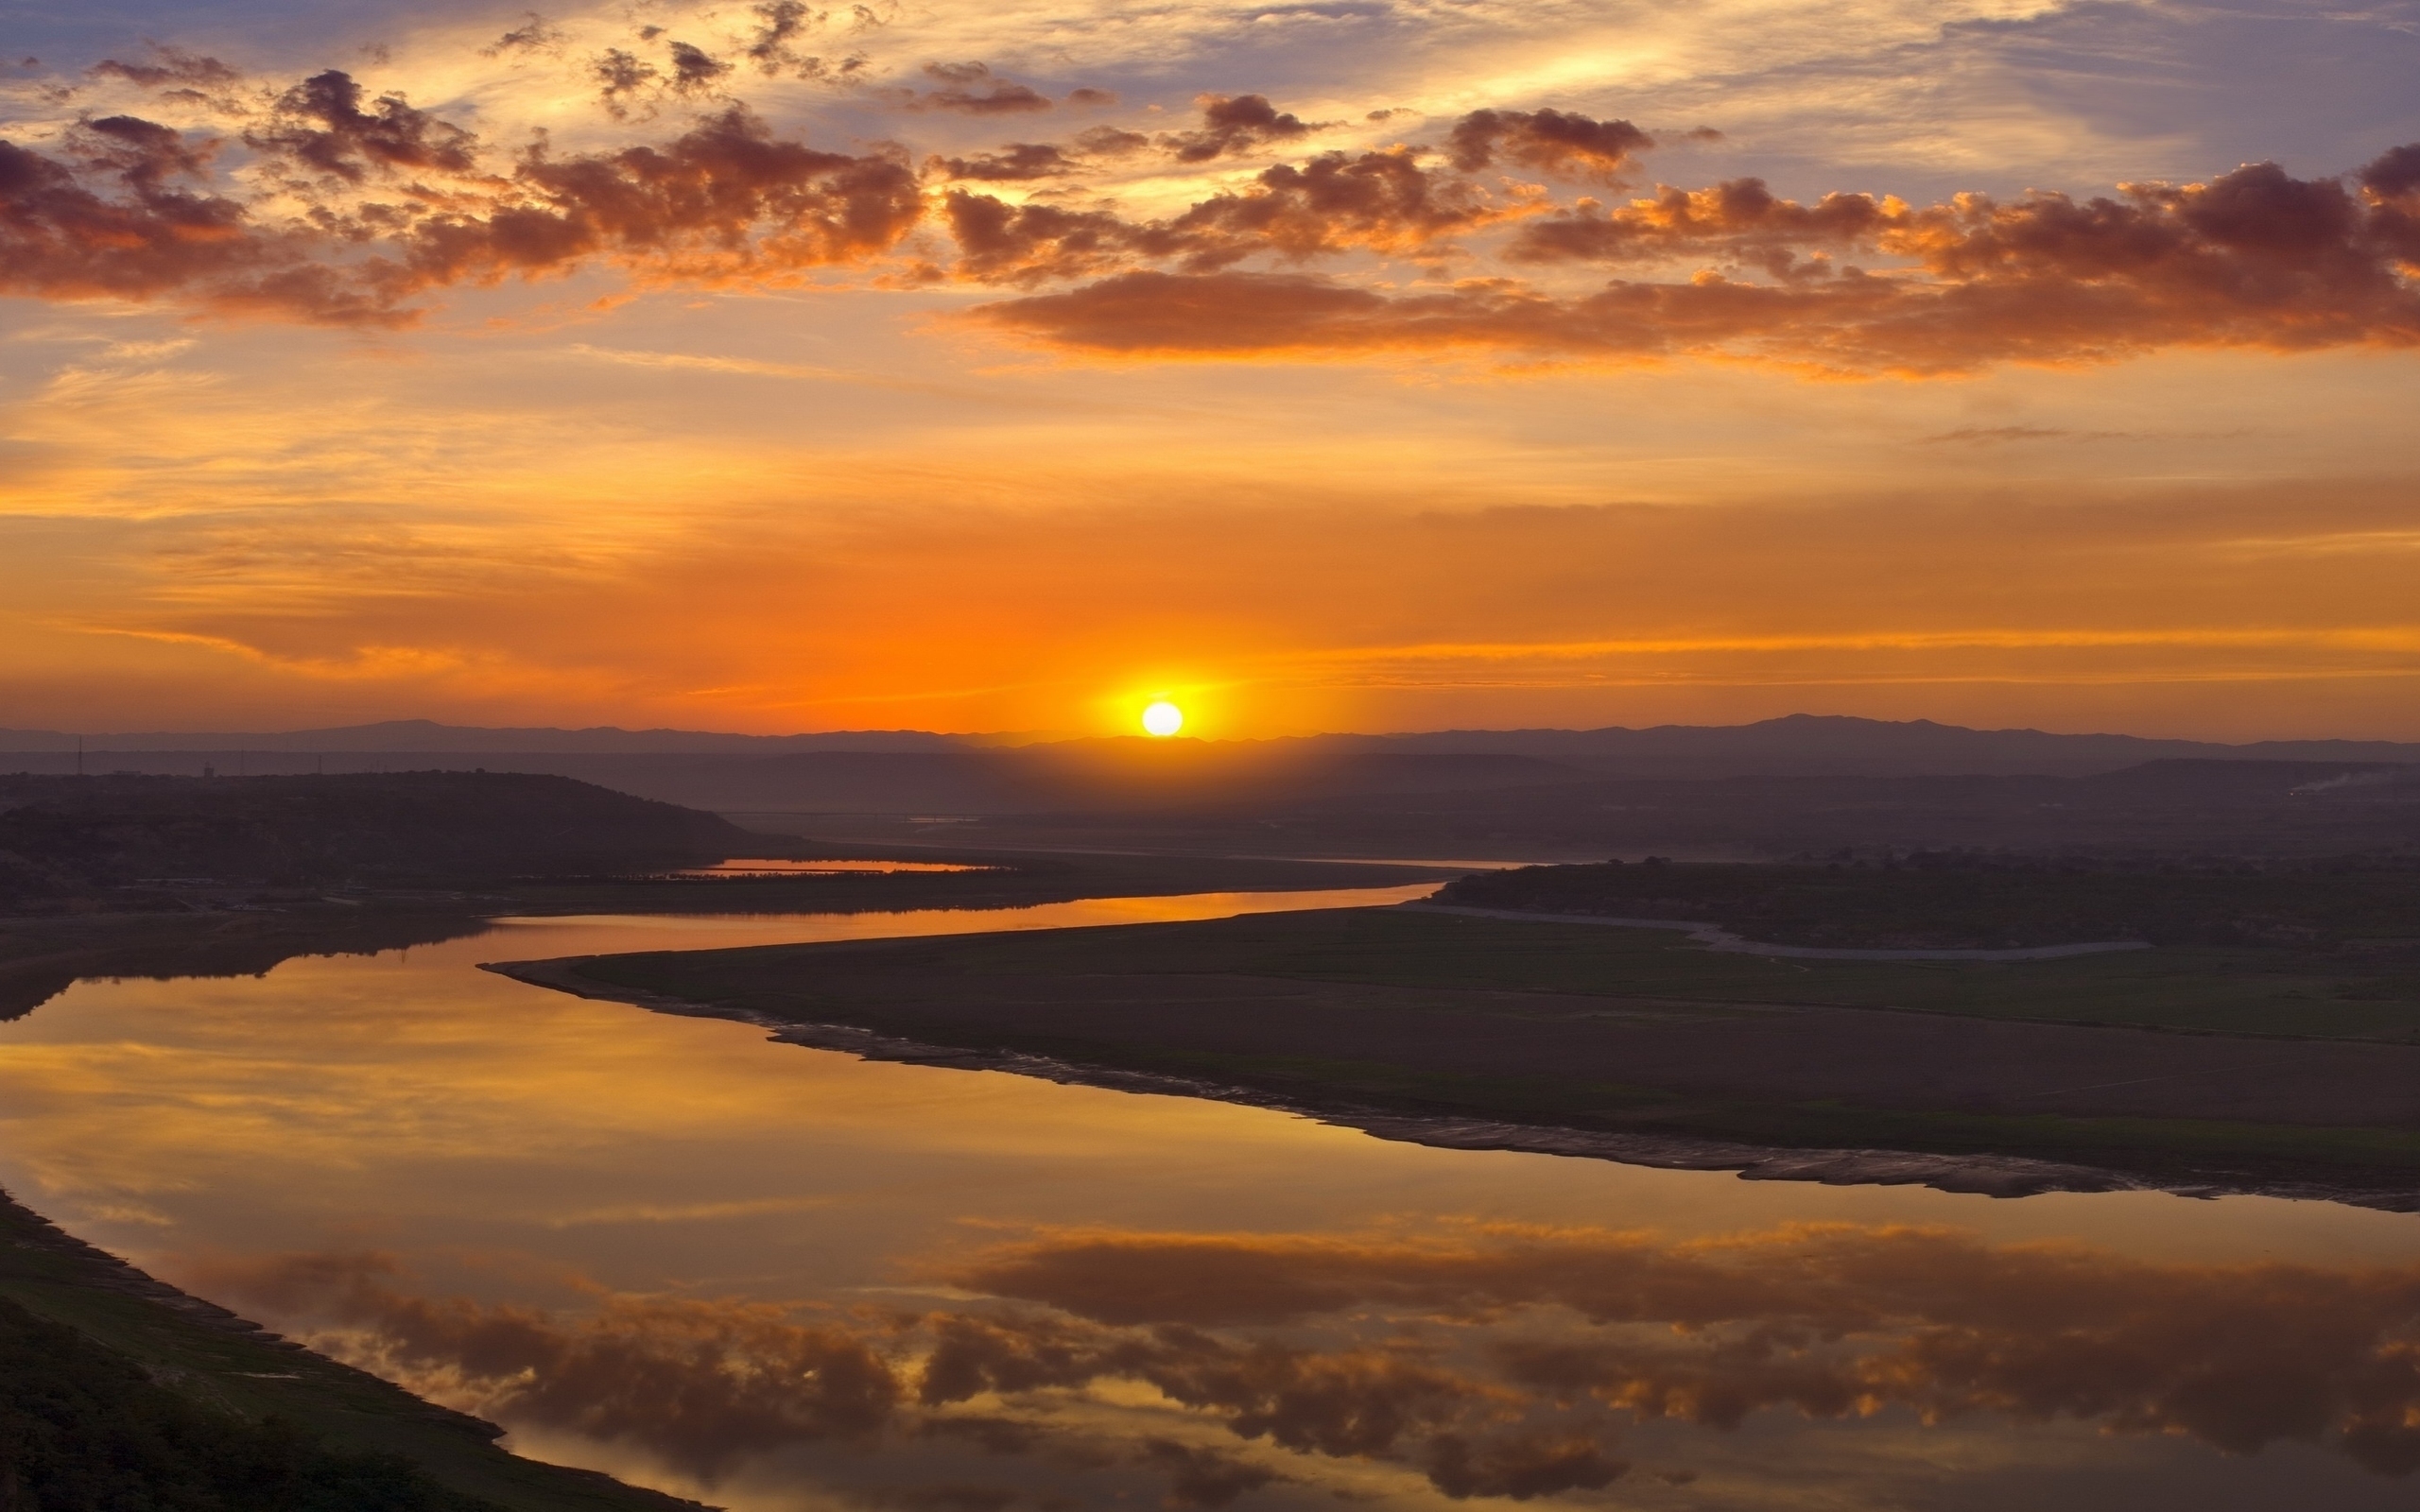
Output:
x=1162 y=719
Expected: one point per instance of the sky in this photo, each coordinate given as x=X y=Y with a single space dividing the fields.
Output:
x=1321 y=365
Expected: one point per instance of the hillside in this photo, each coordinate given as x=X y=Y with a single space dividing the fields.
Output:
x=62 y=837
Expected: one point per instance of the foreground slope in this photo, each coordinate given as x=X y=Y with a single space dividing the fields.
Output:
x=158 y=1398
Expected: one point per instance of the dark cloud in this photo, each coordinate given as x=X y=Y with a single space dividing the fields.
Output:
x=1233 y=125
x=992 y=97
x=2393 y=174
x=1029 y=243
x=170 y=65
x=1091 y=98
x=320 y=125
x=1740 y=221
x=1238 y=314
x=1550 y=140
x=621 y=78
x=779 y=25
x=398 y=202
x=726 y=200
x=1385 y=200
x=1205 y=1477
x=143 y=155
x=1018 y=162
x=536 y=34
x=695 y=71
x=120 y=211
x=1110 y=141
x=113 y=219
x=1521 y=1467
x=1336 y=202
x=627 y=82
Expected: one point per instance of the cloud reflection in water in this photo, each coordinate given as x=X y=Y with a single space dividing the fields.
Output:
x=1493 y=1362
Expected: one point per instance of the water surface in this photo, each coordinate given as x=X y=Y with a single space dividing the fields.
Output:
x=776 y=866
x=776 y=1277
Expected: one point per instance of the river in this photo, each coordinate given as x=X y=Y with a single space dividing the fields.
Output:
x=775 y=1277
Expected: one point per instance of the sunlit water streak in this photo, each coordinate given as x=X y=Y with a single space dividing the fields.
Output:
x=780 y=1278
x=777 y=866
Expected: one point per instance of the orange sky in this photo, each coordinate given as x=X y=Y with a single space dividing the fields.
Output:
x=1323 y=368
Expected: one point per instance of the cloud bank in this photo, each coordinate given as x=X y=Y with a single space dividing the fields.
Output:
x=1503 y=236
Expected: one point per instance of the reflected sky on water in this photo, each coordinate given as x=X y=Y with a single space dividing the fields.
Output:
x=777 y=1278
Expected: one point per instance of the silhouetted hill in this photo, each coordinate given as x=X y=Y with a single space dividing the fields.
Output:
x=71 y=832
x=2166 y=808
x=908 y=773
x=1798 y=744
x=1814 y=745
x=402 y=737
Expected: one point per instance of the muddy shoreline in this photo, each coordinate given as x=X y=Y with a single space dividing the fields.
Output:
x=1995 y=1176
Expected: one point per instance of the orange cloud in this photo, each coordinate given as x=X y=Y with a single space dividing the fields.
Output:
x=398 y=204
x=118 y=212
x=2254 y=258
x=145 y=234
x=726 y=200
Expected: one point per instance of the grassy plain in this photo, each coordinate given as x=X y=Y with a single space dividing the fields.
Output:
x=2240 y=1064
x=1969 y=902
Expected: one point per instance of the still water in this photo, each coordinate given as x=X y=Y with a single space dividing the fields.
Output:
x=775 y=1277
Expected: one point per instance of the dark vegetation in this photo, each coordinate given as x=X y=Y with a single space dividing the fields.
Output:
x=69 y=839
x=83 y=1430
x=2236 y=1065
x=1952 y=901
x=119 y=1394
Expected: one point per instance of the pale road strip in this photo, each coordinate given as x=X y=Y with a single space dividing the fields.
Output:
x=1714 y=936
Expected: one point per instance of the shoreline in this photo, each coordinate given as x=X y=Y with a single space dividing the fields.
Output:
x=1984 y=1174
x=216 y=1356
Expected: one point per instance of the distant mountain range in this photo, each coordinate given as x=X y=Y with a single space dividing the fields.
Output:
x=1799 y=745
x=426 y=736
x=1800 y=785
